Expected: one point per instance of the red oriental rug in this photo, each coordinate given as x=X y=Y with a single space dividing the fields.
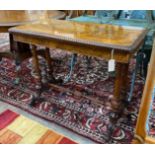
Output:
x=17 y=129
x=80 y=114
x=83 y=113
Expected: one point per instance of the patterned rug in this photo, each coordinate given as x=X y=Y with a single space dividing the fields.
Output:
x=17 y=129
x=77 y=105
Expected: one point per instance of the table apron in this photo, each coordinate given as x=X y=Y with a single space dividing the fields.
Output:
x=88 y=50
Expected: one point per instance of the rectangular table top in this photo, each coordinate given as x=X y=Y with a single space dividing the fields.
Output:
x=102 y=35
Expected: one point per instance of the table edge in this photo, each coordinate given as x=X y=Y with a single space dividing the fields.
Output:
x=131 y=48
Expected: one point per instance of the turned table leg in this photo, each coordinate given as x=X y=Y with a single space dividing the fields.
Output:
x=49 y=63
x=36 y=66
x=121 y=81
x=38 y=77
x=50 y=68
x=19 y=52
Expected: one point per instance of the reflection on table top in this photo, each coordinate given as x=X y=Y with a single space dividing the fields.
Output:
x=17 y=17
x=104 y=35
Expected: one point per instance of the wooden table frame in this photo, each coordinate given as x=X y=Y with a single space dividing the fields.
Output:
x=140 y=132
x=103 y=51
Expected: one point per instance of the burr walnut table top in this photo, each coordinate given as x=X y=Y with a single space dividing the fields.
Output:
x=103 y=35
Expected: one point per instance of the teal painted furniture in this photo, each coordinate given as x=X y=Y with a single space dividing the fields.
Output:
x=137 y=18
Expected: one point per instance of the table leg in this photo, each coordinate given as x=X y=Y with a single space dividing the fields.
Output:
x=121 y=81
x=11 y=42
x=50 y=68
x=49 y=62
x=39 y=85
x=20 y=51
x=36 y=66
